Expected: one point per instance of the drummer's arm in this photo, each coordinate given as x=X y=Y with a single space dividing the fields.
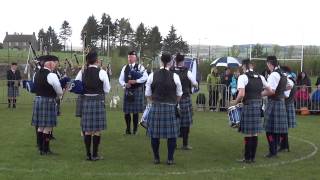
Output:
x=241 y=93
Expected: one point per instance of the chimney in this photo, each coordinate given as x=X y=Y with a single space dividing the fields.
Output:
x=7 y=33
x=34 y=33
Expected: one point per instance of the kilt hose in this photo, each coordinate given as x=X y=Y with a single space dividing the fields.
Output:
x=93 y=117
x=13 y=91
x=44 y=112
x=186 y=112
x=137 y=105
x=162 y=121
x=251 y=121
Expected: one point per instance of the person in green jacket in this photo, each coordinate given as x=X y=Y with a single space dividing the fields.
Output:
x=212 y=80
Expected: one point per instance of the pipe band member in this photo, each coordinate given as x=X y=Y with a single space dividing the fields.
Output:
x=164 y=90
x=250 y=86
x=133 y=101
x=276 y=121
x=13 y=77
x=93 y=114
x=47 y=89
x=187 y=81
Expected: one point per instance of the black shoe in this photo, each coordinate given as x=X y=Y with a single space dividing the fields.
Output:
x=156 y=161
x=50 y=153
x=52 y=138
x=97 y=158
x=252 y=160
x=135 y=132
x=89 y=158
x=244 y=161
x=41 y=153
x=186 y=148
x=9 y=105
x=14 y=106
x=270 y=155
x=128 y=132
x=283 y=150
x=170 y=162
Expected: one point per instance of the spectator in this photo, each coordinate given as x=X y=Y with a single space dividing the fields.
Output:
x=226 y=78
x=303 y=79
x=233 y=84
x=315 y=98
x=302 y=97
x=318 y=81
x=212 y=81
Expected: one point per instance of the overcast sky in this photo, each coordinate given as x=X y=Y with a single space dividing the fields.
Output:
x=223 y=22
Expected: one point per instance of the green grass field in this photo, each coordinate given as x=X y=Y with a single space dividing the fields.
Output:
x=215 y=150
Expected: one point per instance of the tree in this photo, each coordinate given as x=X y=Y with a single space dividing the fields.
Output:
x=154 y=42
x=91 y=30
x=235 y=51
x=1 y=46
x=290 y=51
x=276 y=49
x=103 y=30
x=257 y=51
x=65 y=33
x=140 y=38
x=173 y=44
x=124 y=32
x=42 y=36
x=53 y=43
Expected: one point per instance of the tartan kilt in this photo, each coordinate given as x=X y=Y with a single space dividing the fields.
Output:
x=44 y=112
x=13 y=91
x=162 y=121
x=79 y=106
x=276 y=117
x=291 y=115
x=251 y=121
x=186 y=112
x=137 y=106
x=93 y=117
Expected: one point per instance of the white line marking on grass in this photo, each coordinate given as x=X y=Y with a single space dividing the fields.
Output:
x=200 y=171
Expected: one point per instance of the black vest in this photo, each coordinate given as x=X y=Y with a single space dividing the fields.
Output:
x=91 y=81
x=281 y=88
x=128 y=77
x=254 y=87
x=11 y=76
x=42 y=87
x=163 y=87
x=185 y=82
x=290 y=99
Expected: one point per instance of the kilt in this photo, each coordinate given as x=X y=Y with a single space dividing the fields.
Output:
x=79 y=106
x=13 y=91
x=291 y=115
x=44 y=112
x=93 y=116
x=137 y=106
x=251 y=121
x=162 y=121
x=276 y=117
x=186 y=112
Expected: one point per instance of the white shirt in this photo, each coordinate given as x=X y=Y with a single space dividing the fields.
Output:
x=273 y=80
x=291 y=84
x=243 y=81
x=143 y=79
x=103 y=76
x=176 y=81
x=53 y=80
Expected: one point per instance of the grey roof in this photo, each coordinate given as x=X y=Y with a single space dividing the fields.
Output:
x=18 y=38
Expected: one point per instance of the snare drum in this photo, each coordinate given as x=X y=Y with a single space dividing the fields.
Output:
x=234 y=113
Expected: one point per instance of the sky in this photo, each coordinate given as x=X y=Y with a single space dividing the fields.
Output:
x=206 y=22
